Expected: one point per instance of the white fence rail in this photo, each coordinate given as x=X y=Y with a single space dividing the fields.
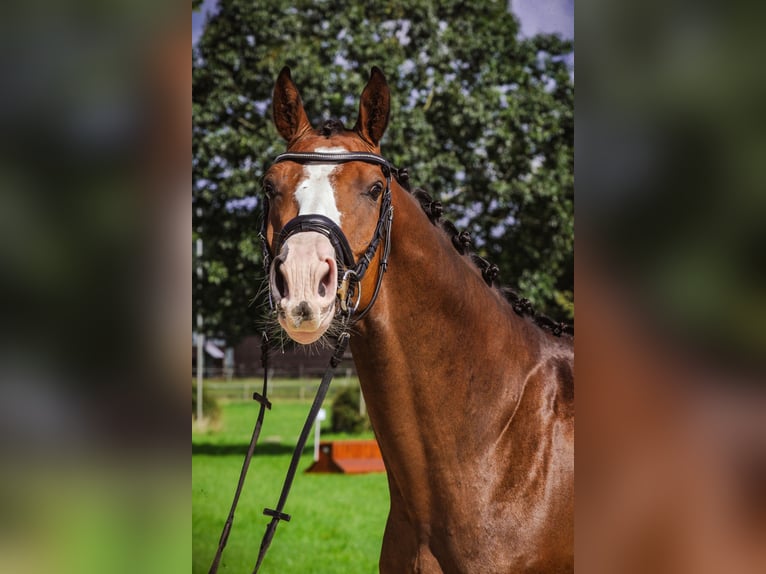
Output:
x=287 y=388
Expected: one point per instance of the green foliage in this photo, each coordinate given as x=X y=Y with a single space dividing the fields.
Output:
x=345 y=412
x=210 y=408
x=483 y=118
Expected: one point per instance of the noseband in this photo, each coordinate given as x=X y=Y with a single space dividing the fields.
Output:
x=349 y=281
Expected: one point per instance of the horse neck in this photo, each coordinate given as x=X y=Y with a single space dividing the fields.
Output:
x=439 y=344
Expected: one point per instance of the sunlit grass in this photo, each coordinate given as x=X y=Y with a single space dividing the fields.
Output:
x=337 y=520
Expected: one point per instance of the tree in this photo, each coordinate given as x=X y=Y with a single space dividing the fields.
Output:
x=483 y=117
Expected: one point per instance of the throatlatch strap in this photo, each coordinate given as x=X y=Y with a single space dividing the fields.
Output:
x=278 y=514
x=265 y=404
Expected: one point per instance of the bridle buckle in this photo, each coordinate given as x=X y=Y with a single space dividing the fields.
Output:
x=345 y=292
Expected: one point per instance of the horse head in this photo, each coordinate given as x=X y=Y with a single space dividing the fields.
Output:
x=327 y=196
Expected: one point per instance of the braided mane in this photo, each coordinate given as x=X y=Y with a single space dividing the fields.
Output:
x=461 y=241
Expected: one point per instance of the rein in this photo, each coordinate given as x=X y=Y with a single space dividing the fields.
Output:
x=349 y=295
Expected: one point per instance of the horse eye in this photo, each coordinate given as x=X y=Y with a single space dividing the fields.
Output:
x=269 y=189
x=375 y=190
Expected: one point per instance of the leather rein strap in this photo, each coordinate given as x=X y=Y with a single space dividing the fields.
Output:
x=278 y=514
x=265 y=404
x=349 y=283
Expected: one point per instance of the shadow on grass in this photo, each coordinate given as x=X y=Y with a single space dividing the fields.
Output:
x=241 y=448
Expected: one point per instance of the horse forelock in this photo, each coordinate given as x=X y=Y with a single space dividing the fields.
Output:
x=331 y=127
x=331 y=133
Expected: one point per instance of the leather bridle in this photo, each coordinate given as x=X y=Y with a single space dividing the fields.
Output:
x=351 y=271
x=349 y=296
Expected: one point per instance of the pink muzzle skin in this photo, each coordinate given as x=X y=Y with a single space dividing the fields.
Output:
x=303 y=281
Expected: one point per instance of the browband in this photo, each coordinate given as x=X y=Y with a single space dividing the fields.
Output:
x=308 y=157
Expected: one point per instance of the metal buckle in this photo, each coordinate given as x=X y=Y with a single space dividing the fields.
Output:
x=345 y=291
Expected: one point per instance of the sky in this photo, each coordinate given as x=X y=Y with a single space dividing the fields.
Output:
x=545 y=16
x=198 y=18
x=536 y=16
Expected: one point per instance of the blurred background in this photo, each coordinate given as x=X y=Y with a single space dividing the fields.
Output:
x=671 y=349
x=94 y=292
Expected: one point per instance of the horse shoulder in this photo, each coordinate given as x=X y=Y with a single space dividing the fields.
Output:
x=537 y=487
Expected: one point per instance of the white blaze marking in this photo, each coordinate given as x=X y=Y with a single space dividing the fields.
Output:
x=315 y=193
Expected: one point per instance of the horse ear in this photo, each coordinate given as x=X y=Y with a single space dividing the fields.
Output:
x=289 y=116
x=373 y=108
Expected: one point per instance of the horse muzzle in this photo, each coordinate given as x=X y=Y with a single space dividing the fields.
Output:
x=304 y=280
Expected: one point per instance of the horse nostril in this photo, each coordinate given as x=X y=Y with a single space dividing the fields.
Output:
x=324 y=284
x=279 y=279
x=302 y=311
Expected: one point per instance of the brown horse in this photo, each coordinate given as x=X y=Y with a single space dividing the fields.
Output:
x=471 y=402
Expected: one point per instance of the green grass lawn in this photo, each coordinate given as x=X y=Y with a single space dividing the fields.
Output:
x=337 y=520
